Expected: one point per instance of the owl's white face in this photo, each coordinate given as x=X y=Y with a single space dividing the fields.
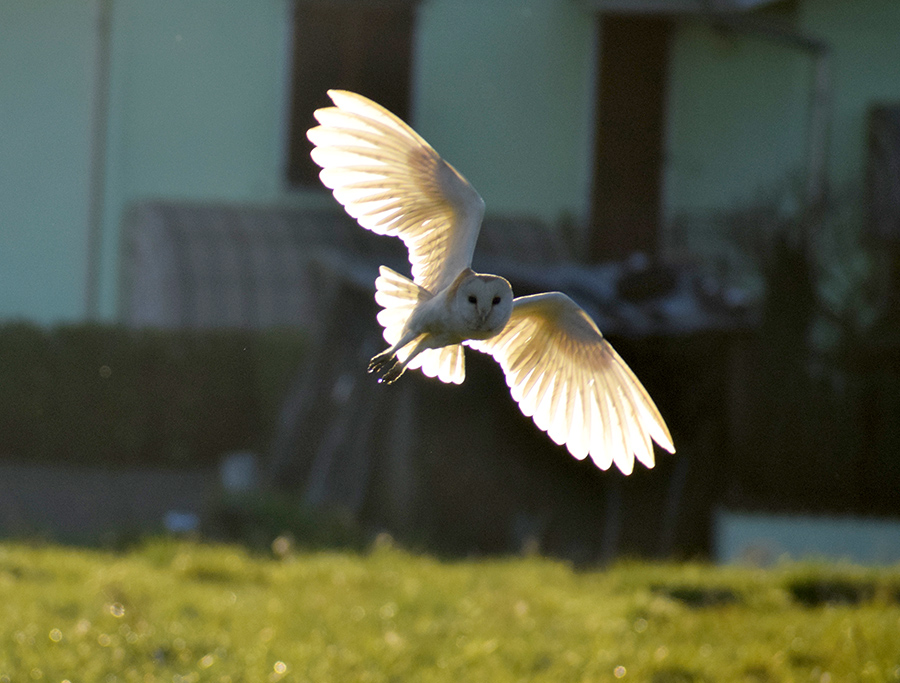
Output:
x=483 y=303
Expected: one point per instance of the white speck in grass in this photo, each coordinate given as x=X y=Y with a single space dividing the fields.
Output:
x=640 y=625
x=825 y=677
x=280 y=667
x=207 y=661
x=661 y=653
x=388 y=610
x=117 y=609
x=55 y=635
x=619 y=672
x=282 y=546
x=103 y=640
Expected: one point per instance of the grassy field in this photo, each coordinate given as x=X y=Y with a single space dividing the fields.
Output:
x=184 y=612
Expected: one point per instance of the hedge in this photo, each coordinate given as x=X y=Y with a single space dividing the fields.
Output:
x=106 y=395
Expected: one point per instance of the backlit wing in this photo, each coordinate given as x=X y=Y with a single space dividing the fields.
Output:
x=571 y=381
x=393 y=183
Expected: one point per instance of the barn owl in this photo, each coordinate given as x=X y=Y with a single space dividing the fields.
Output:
x=560 y=369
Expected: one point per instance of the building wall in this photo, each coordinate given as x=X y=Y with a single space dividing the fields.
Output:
x=866 y=71
x=46 y=64
x=504 y=90
x=739 y=105
x=737 y=118
x=197 y=107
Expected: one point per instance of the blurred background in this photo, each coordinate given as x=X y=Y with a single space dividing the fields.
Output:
x=186 y=314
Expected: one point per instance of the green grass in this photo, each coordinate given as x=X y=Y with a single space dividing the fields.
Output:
x=183 y=612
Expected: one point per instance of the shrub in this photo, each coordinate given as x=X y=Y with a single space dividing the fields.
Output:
x=105 y=395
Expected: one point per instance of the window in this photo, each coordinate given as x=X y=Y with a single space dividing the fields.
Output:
x=359 y=45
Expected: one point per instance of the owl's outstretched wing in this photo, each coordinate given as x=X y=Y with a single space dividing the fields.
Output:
x=393 y=183
x=571 y=381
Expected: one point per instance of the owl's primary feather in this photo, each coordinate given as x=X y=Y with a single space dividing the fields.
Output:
x=560 y=369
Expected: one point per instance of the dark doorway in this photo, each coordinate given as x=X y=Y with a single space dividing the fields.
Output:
x=630 y=131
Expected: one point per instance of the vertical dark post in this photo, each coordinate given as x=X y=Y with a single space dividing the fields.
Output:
x=630 y=131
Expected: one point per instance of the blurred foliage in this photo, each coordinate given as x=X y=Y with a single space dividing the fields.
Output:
x=106 y=395
x=176 y=611
x=823 y=392
x=259 y=520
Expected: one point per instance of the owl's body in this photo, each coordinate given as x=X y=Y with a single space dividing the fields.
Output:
x=560 y=369
x=473 y=306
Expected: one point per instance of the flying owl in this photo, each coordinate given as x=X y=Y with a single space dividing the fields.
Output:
x=560 y=369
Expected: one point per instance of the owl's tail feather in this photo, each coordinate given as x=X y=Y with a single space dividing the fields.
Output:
x=398 y=296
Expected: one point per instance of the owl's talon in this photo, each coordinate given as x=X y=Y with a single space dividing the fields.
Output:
x=387 y=367
x=378 y=362
x=393 y=373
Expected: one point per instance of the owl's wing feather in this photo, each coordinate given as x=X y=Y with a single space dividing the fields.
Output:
x=393 y=183
x=570 y=380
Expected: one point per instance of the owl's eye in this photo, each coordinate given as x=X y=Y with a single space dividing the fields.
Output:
x=496 y=300
x=472 y=299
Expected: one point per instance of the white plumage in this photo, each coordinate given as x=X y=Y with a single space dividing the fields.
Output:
x=560 y=369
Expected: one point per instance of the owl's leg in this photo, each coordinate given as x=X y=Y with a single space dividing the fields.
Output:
x=388 y=366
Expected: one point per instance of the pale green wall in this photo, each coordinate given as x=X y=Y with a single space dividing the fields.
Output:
x=738 y=118
x=503 y=88
x=739 y=105
x=504 y=91
x=46 y=62
x=866 y=71
x=197 y=107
